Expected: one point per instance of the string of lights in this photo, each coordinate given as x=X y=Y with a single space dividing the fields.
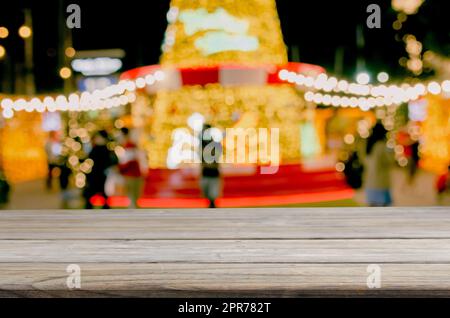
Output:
x=320 y=90
x=365 y=96
x=116 y=95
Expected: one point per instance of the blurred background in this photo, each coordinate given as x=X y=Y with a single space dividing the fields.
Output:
x=102 y=104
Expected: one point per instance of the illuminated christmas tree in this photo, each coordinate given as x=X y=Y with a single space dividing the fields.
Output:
x=212 y=32
x=244 y=37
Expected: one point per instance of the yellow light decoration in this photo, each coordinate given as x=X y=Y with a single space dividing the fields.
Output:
x=70 y=52
x=258 y=107
x=2 y=52
x=436 y=135
x=4 y=32
x=25 y=32
x=191 y=25
x=22 y=148
x=250 y=19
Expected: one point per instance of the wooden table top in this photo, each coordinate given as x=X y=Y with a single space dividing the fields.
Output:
x=227 y=252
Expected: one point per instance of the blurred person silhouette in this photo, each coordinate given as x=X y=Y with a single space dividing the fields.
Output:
x=413 y=162
x=103 y=159
x=4 y=189
x=413 y=185
x=377 y=168
x=53 y=148
x=64 y=176
x=211 y=151
x=443 y=187
x=132 y=166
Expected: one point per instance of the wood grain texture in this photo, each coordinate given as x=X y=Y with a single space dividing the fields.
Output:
x=226 y=252
x=206 y=280
x=277 y=223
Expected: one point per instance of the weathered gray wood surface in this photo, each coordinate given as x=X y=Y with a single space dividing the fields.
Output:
x=226 y=252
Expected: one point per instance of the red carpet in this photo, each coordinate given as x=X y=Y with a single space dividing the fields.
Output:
x=242 y=187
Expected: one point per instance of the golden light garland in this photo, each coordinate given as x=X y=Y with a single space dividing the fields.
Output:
x=179 y=49
x=368 y=96
x=373 y=95
x=119 y=94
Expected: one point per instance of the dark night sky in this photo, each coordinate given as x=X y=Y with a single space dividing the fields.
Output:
x=317 y=27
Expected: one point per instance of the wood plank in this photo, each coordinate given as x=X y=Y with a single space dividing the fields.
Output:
x=200 y=280
x=227 y=251
x=279 y=223
x=237 y=252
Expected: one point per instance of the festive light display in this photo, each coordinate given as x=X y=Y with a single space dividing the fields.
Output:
x=204 y=34
x=222 y=26
x=119 y=94
x=435 y=135
x=319 y=90
x=22 y=147
x=262 y=107
x=191 y=23
x=379 y=95
x=414 y=49
x=407 y=6
x=77 y=141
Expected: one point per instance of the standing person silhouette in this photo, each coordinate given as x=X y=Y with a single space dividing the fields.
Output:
x=211 y=149
x=377 y=168
x=53 y=148
x=4 y=189
x=132 y=166
x=103 y=159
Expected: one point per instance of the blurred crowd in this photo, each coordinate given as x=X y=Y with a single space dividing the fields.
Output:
x=112 y=158
x=372 y=168
x=115 y=156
